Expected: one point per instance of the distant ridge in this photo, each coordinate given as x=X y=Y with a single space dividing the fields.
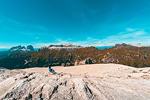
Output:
x=15 y=49
x=67 y=46
x=22 y=48
x=138 y=45
x=103 y=47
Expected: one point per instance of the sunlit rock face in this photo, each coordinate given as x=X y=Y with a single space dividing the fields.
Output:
x=67 y=46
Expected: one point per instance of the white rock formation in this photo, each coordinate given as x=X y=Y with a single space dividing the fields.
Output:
x=138 y=45
x=118 y=83
x=67 y=46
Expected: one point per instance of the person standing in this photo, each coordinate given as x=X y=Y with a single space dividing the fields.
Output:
x=139 y=56
x=145 y=57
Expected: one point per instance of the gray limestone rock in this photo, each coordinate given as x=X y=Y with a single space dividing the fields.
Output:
x=46 y=86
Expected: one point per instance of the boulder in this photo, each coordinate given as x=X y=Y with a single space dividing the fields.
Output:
x=83 y=62
x=63 y=65
x=76 y=62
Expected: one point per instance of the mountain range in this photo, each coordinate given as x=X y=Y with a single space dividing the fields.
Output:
x=22 y=49
x=16 y=49
x=67 y=46
x=120 y=54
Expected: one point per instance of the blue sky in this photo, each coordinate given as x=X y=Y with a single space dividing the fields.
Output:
x=82 y=22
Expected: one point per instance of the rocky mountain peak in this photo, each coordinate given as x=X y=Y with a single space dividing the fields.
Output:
x=122 y=45
x=30 y=47
x=22 y=48
x=67 y=46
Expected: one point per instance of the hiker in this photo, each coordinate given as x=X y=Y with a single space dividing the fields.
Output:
x=50 y=69
x=139 y=56
x=144 y=57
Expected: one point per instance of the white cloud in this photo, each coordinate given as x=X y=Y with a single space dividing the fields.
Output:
x=89 y=38
x=122 y=37
x=69 y=39
x=130 y=30
x=4 y=47
x=57 y=41
x=98 y=42
x=129 y=35
x=132 y=35
x=121 y=33
x=126 y=37
x=42 y=44
x=139 y=33
x=60 y=41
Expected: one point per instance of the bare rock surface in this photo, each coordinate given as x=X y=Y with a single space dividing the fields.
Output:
x=86 y=82
x=83 y=62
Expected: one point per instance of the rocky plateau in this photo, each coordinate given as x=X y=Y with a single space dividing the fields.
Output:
x=84 y=82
